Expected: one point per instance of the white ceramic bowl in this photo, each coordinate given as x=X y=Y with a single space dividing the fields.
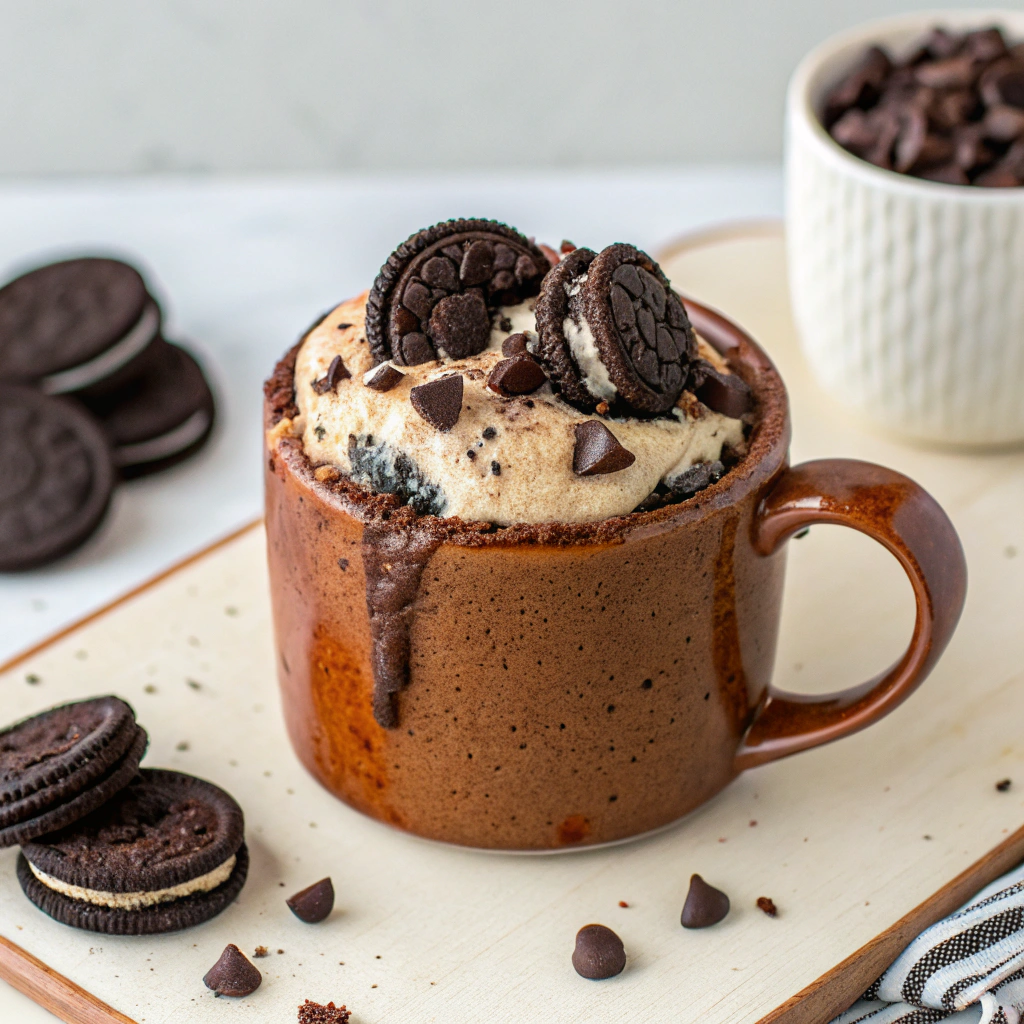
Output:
x=908 y=295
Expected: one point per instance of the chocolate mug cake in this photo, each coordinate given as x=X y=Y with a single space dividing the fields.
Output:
x=525 y=517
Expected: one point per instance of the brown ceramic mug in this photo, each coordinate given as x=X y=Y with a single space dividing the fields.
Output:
x=537 y=688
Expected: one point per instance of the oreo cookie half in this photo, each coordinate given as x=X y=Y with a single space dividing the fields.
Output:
x=626 y=337
x=165 y=417
x=56 y=477
x=439 y=290
x=59 y=765
x=75 y=325
x=167 y=852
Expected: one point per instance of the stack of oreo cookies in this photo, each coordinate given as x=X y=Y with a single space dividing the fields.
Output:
x=106 y=845
x=90 y=392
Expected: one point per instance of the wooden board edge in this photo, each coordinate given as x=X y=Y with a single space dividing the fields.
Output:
x=762 y=227
x=52 y=991
x=98 y=613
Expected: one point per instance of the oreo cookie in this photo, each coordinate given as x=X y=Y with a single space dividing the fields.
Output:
x=439 y=291
x=60 y=765
x=165 y=417
x=56 y=477
x=167 y=852
x=613 y=331
x=77 y=325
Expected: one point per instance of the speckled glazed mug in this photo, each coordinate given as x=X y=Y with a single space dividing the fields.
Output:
x=564 y=685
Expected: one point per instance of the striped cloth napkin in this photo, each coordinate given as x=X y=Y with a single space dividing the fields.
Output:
x=966 y=969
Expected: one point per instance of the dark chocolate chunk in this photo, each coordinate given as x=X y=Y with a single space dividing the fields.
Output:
x=705 y=905
x=439 y=402
x=335 y=372
x=516 y=376
x=514 y=345
x=725 y=393
x=314 y=903
x=384 y=378
x=315 y=1013
x=460 y=325
x=56 y=477
x=599 y=953
x=597 y=451
x=233 y=974
x=409 y=312
x=767 y=904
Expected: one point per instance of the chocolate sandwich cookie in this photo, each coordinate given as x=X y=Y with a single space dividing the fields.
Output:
x=554 y=352
x=76 y=325
x=165 y=417
x=58 y=766
x=165 y=853
x=56 y=477
x=439 y=291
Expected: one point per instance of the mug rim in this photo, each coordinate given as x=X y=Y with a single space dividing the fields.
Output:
x=801 y=114
x=767 y=454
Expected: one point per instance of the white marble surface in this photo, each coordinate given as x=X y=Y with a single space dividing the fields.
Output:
x=243 y=266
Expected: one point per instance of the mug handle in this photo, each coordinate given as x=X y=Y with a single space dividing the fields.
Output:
x=908 y=521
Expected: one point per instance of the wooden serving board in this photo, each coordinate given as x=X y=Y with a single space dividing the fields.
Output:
x=860 y=844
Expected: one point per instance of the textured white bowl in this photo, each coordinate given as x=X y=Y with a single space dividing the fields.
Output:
x=908 y=294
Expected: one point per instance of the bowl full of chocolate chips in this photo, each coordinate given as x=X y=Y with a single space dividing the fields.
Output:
x=905 y=223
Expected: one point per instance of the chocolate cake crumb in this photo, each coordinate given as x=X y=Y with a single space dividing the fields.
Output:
x=315 y=1013
x=1003 y=785
x=260 y=951
x=623 y=903
x=767 y=904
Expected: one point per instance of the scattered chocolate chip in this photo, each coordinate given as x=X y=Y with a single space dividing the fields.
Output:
x=597 y=451
x=725 y=393
x=315 y=1013
x=599 y=953
x=1003 y=785
x=516 y=376
x=460 y=325
x=767 y=904
x=495 y=468
x=383 y=377
x=314 y=903
x=335 y=372
x=514 y=345
x=233 y=974
x=489 y=433
x=705 y=905
x=439 y=402
x=260 y=952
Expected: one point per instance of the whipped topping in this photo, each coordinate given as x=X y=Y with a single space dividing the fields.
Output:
x=506 y=460
x=137 y=900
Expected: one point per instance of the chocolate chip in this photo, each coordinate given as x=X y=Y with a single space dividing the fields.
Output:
x=514 y=345
x=767 y=904
x=335 y=372
x=1003 y=785
x=516 y=376
x=495 y=468
x=383 y=377
x=489 y=433
x=599 y=953
x=705 y=905
x=233 y=974
x=860 y=87
x=470 y=454
x=460 y=325
x=314 y=903
x=439 y=402
x=951 y=73
x=725 y=393
x=597 y=451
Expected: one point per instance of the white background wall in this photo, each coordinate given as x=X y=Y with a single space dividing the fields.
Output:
x=266 y=85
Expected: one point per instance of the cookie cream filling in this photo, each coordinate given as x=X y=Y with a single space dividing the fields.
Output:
x=506 y=460
x=138 y=900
